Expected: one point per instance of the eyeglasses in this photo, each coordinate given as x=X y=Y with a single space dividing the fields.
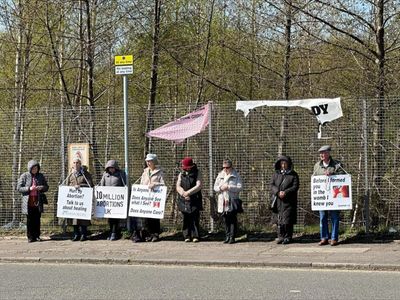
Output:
x=226 y=168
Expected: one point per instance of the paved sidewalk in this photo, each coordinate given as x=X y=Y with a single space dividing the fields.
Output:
x=360 y=256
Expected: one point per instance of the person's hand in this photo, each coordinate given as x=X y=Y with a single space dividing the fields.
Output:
x=77 y=186
x=33 y=188
x=187 y=198
x=281 y=194
x=224 y=187
x=152 y=186
x=185 y=195
x=40 y=188
x=327 y=173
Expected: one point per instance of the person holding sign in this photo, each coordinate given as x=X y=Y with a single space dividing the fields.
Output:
x=229 y=184
x=79 y=177
x=190 y=203
x=32 y=185
x=113 y=176
x=328 y=166
x=148 y=229
x=284 y=185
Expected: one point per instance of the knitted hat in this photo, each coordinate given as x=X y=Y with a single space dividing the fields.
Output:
x=187 y=163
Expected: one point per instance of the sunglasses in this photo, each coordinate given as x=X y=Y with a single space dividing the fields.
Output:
x=225 y=168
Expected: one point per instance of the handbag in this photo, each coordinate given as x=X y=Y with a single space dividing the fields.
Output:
x=43 y=198
x=235 y=205
x=274 y=204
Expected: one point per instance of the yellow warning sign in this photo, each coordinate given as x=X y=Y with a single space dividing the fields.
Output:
x=123 y=60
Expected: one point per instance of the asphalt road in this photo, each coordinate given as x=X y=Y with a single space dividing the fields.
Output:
x=58 y=281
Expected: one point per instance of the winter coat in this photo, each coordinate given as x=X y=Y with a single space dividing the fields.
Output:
x=190 y=181
x=118 y=178
x=25 y=182
x=334 y=168
x=156 y=176
x=288 y=182
x=78 y=178
x=234 y=186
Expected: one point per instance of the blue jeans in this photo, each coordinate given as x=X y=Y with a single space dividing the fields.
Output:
x=324 y=227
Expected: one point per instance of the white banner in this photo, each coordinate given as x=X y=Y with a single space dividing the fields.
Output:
x=331 y=192
x=74 y=203
x=146 y=203
x=111 y=202
x=325 y=109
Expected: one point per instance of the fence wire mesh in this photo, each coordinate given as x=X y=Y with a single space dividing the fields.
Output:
x=250 y=142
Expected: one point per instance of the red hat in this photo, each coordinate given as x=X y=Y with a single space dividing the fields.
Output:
x=187 y=163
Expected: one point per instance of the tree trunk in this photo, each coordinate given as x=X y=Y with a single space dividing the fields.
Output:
x=154 y=74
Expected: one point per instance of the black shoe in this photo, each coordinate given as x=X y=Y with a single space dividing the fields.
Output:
x=231 y=241
x=31 y=240
x=286 y=241
x=226 y=241
x=83 y=238
x=38 y=239
x=75 y=238
x=279 y=241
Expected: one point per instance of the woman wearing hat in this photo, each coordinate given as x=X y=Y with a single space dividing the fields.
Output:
x=80 y=177
x=152 y=176
x=113 y=176
x=190 y=203
x=284 y=185
x=228 y=184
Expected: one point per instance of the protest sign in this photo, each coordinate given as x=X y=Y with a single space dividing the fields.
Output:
x=147 y=203
x=111 y=201
x=74 y=203
x=331 y=192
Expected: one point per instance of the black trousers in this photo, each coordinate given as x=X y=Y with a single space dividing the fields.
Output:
x=231 y=224
x=153 y=226
x=114 y=225
x=33 y=222
x=285 y=231
x=191 y=224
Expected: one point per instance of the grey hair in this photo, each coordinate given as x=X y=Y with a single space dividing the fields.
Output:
x=227 y=161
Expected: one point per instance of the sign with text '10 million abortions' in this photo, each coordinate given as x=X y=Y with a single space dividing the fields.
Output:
x=331 y=192
x=111 y=202
x=147 y=203
x=74 y=203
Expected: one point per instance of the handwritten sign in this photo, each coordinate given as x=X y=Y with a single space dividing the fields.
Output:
x=146 y=203
x=74 y=203
x=111 y=202
x=331 y=192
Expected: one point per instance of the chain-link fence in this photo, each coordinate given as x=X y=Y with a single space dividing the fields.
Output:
x=250 y=142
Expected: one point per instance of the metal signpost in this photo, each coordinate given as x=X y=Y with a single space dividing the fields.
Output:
x=124 y=66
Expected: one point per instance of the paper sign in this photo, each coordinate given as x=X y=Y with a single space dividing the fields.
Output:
x=147 y=203
x=74 y=203
x=111 y=202
x=331 y=192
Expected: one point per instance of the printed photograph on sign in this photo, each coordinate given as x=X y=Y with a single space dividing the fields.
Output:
x=147 y=203
x=78 y=150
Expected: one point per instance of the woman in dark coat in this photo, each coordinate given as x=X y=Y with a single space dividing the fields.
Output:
x=32 y=185
x=284 y=185
x=113 y=176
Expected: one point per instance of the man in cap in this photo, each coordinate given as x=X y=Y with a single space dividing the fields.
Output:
x=328 y=166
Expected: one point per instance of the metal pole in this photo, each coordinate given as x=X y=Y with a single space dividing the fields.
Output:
x=366 y=182
x=126 y=144
x=210 y=164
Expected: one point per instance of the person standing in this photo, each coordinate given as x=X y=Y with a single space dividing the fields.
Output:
x=229 y=184
x=328 y=166
x=188 y=186
x=80 y=177
x=148 y=229
x=32 y=185
x=284 y=185
x=113 y=176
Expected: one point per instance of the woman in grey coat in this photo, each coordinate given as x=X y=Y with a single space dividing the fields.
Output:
x=284 y=185
x=32 y=185
x=113 y=176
